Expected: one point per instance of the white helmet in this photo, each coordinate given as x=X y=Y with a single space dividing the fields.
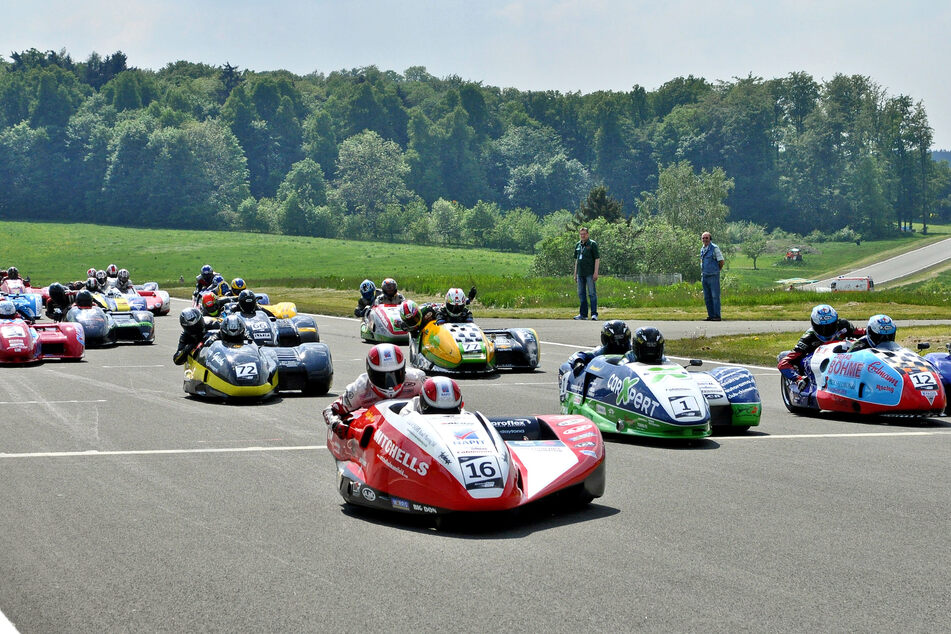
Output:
x=440 y=395
x=386 y=369
x=455 y=301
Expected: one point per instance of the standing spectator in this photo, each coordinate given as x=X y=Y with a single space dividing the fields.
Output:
x=587 y=261
x=711 y=262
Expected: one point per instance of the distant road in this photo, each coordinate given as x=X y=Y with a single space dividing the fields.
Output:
x=899 y=266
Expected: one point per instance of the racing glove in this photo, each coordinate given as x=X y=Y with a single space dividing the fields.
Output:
x=802 y=383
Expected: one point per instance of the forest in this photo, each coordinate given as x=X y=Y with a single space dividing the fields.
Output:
x=372 y=154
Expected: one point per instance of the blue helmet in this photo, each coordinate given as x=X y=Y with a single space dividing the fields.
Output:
x=368 y=290
x=238 y=284
x=880 y=328
x=207 y=271
x=824 y=321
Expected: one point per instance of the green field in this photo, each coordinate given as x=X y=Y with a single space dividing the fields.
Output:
x=322 y=275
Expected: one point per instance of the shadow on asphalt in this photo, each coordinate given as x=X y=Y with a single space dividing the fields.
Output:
x=539 y=516
x=885 y=421
x=671 y=444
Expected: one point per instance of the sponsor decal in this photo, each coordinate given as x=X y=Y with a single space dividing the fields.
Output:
x=579 y=428
x=391 y=452
x=368 y=494
x=599 y=408
x=587 y=443
x=930 y=395
x=422 y=508
x=589 y=434
x=444 y=457
x=879 y=369
x=399 y=503
x=628 y=394
x=588 y=452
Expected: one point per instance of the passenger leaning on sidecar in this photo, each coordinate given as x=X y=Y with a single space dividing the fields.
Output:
x=826 y=328
x=386 y=377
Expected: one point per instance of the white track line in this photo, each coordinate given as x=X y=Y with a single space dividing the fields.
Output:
x=5 y=625
x=856 y=435
x=101 y=400
x=151 y=452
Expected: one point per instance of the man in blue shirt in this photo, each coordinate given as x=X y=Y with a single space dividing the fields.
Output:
x=711 y=262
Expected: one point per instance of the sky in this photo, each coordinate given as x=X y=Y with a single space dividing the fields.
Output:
x=564 y=45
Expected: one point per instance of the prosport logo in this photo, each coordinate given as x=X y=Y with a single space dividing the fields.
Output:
x=624 y=388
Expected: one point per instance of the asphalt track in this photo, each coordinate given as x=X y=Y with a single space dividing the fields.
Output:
x=126 y=506
x=899 y=266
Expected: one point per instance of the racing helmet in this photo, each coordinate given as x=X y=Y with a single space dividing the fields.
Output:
x=440 y=395
x=123 y=276
x=409 y=314
x=209 y=303
x=112 y=271
x=648 y=345
x=389 y=287
x=92 y=285
x=222 y=289
x=880 y=329
x=207 y=273
x=238 y=284
x=13 y=273
x=247 y=302
x=7 y=310
x=232 y=329
x=455 y=301
x=824 y=321
x=91 y=272
x=84 y=299
x=191 y=321
x=101 y=278
x=615 y=337
x=386 y=369
x=367 y=290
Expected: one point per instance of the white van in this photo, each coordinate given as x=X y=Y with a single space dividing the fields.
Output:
x=843 y=283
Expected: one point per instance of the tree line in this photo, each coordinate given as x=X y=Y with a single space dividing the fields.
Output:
x=371 y=154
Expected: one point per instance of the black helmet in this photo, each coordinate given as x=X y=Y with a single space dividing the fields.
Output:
x=232 y=329
x=247 y=302
x=649 y=345
x=389 y=287
x=615 y=337
x=84 y=299
x=92 y=285
x=13 y=273
x=191 y=321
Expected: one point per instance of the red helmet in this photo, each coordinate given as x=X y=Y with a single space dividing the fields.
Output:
x=90 y=273
x=409 y=314
x=386 y=369
x=440 y=395
x=208 y=301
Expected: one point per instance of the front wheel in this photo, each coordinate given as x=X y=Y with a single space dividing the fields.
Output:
x=785 y=386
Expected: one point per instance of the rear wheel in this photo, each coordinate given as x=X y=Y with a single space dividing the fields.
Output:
x=785 y=385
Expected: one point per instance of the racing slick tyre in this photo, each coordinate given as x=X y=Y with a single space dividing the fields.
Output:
x=784 y=385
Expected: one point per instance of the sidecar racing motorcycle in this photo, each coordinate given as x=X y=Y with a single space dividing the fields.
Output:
x=888 y=380
x=395 y=458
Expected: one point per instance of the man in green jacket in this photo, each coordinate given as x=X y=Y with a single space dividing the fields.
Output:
x=587 y=261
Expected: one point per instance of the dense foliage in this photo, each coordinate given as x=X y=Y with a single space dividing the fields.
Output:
x=372 y=154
